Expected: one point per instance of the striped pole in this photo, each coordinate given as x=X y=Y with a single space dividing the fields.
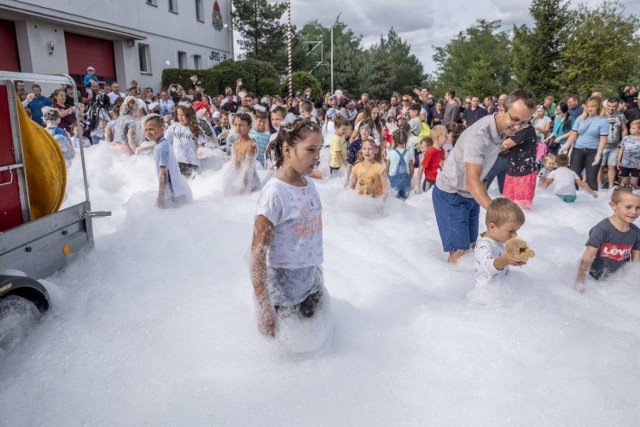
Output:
x=289 y=37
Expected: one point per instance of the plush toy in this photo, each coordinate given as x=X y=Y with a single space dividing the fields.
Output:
x=517 y=250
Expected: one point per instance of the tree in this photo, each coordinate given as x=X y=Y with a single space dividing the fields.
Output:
x=537 y=52
x=476 y=62
x=302 y=80
x=602 y=50
x=263 y=35
x=390 y=66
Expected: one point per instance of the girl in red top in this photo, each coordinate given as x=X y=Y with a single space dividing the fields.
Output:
x=433 y=158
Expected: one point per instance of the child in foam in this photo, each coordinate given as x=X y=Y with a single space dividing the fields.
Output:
x=173 y=190
x=287 y=238
x=504 y=219
x=399 y=165
x=563 y=181
x=51 y=119
x=433 y=158
x=614 y=240
x=185 y=135
x=548 y=166
x=368 y=176
x=244 y=152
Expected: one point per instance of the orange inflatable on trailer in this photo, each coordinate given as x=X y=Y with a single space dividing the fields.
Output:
x=44 y=165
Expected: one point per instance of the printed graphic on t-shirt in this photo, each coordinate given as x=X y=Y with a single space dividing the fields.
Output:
x=615 y=252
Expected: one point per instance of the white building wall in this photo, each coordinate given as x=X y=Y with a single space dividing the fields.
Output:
x=40 y=21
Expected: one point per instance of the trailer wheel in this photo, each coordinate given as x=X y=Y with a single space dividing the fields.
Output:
x=17 y=317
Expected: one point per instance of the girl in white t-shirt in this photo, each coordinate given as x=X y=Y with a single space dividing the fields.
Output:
x=286 y=251
x=186 y=136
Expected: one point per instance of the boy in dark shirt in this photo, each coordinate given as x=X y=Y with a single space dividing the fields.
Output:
x=614 y=240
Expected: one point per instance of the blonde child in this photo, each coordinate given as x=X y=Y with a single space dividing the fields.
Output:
x=51 y=119
x=433 y=159
x=399 y=165
x=173 y=190
x=368 y=175
x=548 y=166
x=629 y=155
x=286 y=251
x=338 y=144
x=504 y=219
x=614 y=240
x=564 y=181
x=186 y=136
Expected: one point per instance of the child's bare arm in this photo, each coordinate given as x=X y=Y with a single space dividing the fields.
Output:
x=352 y=185
x=418 y=179
x=411 y=170
x=262 y=234
x=585 y=263
x=547 y=182
x=583 y=184
x=163 y=179
x=635 y=256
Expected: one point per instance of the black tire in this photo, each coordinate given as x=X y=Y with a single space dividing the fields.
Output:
x=17 y=317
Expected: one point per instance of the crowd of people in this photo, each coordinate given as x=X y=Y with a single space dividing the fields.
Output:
x=405 y=145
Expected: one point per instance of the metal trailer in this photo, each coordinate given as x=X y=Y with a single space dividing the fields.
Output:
x=43 y=246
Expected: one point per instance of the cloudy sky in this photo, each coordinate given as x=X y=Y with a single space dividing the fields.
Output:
x=423 y=23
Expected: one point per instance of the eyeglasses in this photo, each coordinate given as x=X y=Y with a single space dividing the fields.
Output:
x=405 y=100
x=517 y=122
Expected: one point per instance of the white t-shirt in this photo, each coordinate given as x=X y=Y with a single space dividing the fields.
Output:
x=296 y=213
x=564 y=181
x=185 y=145
x=488 y=250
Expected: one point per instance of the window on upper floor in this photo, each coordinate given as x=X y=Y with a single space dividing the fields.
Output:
x=173 y=6
x=152 y=2
x=199 y=10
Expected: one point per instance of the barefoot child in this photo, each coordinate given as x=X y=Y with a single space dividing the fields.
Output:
x=286 y=251
x=186 y=136
x=629 y=156
x=173 y=189
x=244 y=153
x=563 y=181
x=503 y=220
x=368 y=175
x=338 y=145
x=614 y=240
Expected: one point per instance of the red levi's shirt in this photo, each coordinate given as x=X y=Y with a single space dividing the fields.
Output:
x=431 y=162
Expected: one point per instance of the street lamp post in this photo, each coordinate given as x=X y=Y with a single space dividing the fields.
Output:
x=334 y=24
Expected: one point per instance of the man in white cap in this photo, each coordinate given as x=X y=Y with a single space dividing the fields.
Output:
x=89 y=77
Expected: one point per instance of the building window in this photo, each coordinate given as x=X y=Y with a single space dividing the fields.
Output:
x=199 y=11
x=173 y=6
x=197 y=62
x=145 y=60
x=182 y=60
x=152 y=2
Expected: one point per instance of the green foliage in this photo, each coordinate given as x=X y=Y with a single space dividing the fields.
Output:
x=263 y=35
x=537 y=52
x=268 y=86
x=390 y=66
x=230 y=71
x=477 y=61
x=302 y=80
x=210 y=78
x=602 y=50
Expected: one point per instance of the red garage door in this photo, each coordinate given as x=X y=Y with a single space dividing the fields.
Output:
x=84 y=51
x=9 y=59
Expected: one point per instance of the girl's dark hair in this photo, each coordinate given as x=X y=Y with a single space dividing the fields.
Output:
x=566 y=124
x=456 y=129
x=400 y=137
x=190 y=114
x=290 y=134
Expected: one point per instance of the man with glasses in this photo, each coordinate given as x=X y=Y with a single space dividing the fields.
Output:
x=451 y=110
x=459 y=191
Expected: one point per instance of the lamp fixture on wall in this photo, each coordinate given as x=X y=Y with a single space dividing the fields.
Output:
x=51 y=46
x=131 y=42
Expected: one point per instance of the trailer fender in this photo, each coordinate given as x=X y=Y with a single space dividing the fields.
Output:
x=27 y=288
